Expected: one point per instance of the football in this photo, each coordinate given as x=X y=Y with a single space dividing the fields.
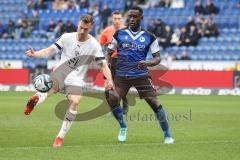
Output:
x=43 y=83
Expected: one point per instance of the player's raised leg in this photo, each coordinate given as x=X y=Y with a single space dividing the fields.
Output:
x=68 y=119
x=35 y=100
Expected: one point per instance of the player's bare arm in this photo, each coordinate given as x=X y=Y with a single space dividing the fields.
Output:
x=150 y=63
x=107 y=73
x=41 y=53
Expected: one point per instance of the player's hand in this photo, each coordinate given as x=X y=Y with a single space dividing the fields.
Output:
x=109 y=85
x=30 y=52
x=142 y=65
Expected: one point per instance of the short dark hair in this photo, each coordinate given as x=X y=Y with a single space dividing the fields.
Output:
x=87 y=18
x=117 y=12
x=137 y=8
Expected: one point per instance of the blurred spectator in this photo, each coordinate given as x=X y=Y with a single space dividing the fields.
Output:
x=96 y=11
x=26 y=29
x=201 y=25
x=2 y=29
x=151 y=26
x=90 y=10
x=30 y=4
x=84 y=4
x=40 y=5
x=174 y=57
x=50 y=30
x=130 y=3
x=23 y=17
x=59 y=29
x=212 y=30
x=176 y=37
x=193 y=36
x=190 y=23
x=59 y=4
x=184 y=56
x=10 y=30
x=160 y=27
x=177 y=4
x=165 y=37
x=71 y=4
x=141 y=2
x=34 y=20
x=18 y=29
x=199 y=9
x=22 y=29
x=164 y=3
x=51 y=26
x=211 y=8
x=70 y=27
x=183 y=40
x=151 y=3
x=105 y=14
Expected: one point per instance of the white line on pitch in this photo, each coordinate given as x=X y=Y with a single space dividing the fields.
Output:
x=125 y=144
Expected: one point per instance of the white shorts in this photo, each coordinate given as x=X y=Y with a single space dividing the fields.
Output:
x=71 y=78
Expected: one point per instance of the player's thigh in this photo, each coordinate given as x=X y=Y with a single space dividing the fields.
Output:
x=113 y=66
x=145 y=87
x=122 y=86
x=74 y=94
x=74 y=101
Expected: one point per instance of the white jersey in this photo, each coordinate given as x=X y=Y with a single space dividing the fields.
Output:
x=70 y=48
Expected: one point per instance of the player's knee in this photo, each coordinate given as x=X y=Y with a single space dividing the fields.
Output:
x=153 y=104
x=74 y=101
x=112 y=98
x=73 y=104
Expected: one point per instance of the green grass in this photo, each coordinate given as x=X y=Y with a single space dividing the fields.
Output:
x=204 y=127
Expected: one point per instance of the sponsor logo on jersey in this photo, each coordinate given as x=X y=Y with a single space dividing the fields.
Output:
x=133 y=46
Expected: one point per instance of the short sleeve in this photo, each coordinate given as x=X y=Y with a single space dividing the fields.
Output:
x=58 y=45
x=98 y=53
x=154 y=47
x=114 y=43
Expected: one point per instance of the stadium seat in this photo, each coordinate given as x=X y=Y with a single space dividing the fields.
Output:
x=225 y=47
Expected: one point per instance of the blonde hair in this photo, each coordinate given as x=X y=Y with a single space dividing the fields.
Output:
x=87 y=19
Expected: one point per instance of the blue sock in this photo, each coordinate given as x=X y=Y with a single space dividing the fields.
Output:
x=118 y=114
x=162 y=118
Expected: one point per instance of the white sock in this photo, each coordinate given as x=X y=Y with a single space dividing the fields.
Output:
x=67 y=122
x=42 y=97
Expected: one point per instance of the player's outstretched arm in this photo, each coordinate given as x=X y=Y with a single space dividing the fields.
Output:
x=150 y=63
x=41 y=53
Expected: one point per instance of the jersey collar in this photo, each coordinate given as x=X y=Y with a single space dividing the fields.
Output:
x=134 y=35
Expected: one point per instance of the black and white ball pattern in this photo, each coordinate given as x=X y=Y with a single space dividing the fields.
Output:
x=43 y=83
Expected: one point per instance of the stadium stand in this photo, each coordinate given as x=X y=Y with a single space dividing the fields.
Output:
x=226 y=46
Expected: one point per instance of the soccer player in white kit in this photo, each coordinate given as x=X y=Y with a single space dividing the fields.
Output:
x=71 y=45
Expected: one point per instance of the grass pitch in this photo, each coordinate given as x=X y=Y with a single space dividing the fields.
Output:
x=204 y=127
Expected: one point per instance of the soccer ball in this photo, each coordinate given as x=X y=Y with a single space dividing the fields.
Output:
x=43 y=83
